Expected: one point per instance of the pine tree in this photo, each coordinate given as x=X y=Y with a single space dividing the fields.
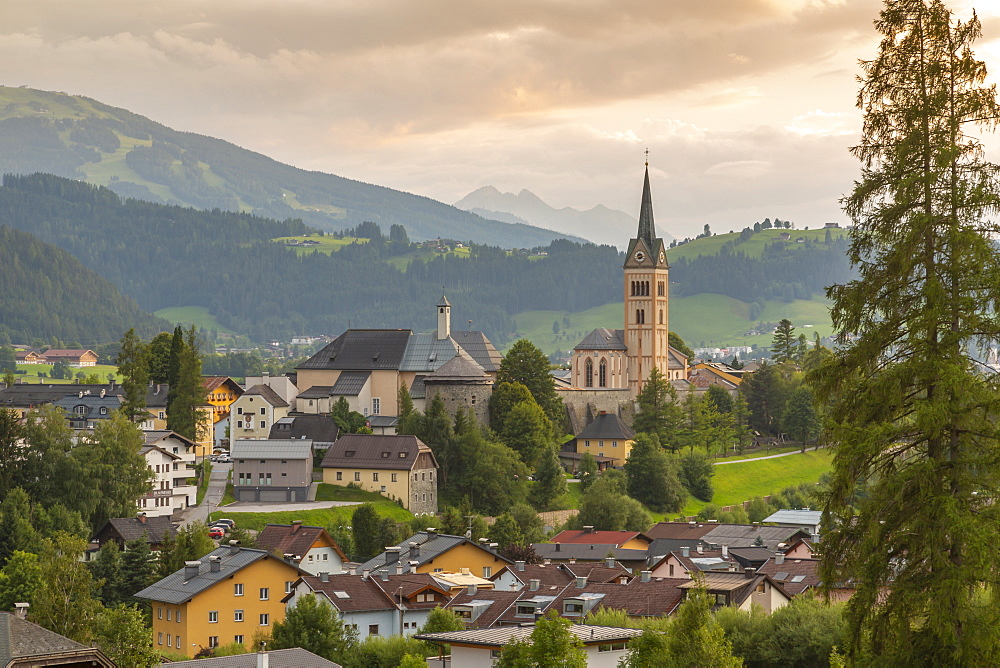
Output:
x=187 y=394
x=914 y=411
x=652 y=476
x=783 y=345
x=133 y=365
x=550 y=479
x=659 y=414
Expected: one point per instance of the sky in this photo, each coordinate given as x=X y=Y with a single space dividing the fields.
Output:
x=747 y=107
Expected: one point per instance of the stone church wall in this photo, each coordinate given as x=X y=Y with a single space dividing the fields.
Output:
x=463 y=395
x=582 y=406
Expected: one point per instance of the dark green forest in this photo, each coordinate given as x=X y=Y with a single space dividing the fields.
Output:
x=47 y=292
x=163 y=255
x=62 y=134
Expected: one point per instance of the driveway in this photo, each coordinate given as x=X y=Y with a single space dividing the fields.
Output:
x=281 y=506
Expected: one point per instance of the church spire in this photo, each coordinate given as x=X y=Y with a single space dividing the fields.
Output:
x=647 y=231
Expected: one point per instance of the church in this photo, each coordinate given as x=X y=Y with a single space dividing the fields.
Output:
x=610 y=366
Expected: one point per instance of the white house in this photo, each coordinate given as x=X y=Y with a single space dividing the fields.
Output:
x=170 y=457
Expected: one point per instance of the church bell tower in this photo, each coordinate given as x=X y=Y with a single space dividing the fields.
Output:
x=646 y=295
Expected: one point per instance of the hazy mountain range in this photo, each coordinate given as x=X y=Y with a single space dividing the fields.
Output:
x=80 y=138
x=598 y=224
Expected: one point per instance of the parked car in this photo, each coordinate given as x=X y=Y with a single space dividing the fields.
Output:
x=229 y=523
x=216 y=532
x=224 y=459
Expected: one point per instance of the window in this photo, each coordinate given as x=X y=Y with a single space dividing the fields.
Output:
x=671 y=570
x=487 y=571
x=588 y=373
x=402 y=455
x=357 y=476
x=310 y=561
x=525 y=611
x=611 y=647
x=163 y=415
x=263 y=424
x=375 y=476
x=177 y=617
x=159 y=638
x=494 y=654
x=614 y=444
x=213 y=641
x=238 y=639
x=602 y=375
x=239 y=410
x=340 y=475
x=169 y=612
x=264 y=619
x=376 y=405
x=349 y=453
x=213 y=617
x=395 y=477
x=264 y=593
x=384 y=455
x=373 y=629
x=262 y=411
x=586 y=444
x=661 y=289
x=237 y=615
x=289 y=583
x=104 y=410
x=177 y=642
x=159 y=613
x=720 y=599
x=170 y=639
x=572 y=608
x=382 y=489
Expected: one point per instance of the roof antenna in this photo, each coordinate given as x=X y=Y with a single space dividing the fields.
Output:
x=647 y=157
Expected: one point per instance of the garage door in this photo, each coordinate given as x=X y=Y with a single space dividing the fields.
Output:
x=273 y=495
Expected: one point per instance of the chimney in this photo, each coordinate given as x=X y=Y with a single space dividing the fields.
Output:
x=534 y=584
x=483 y=541
x=399 y=568
x=191 y=570
x=263 y=659
x=391 y=555
x=102 y=393
x=21 y=610
x=214 y=564
x=644 y=576
x=364 y=574
x=353 y=570
x=157 y=389
x=494 y=546
x=725 y=551
x=296 y=525
x=432 y=532
x=234 y=546
x=701 y=548
x=141 y=517
x=814 y=538
x=325 y=577
x=685 y=551
x=519 y=565
x=288 y=557
x=414 y=549
x=581 y=582
x=779 y=559
x=609 y=562
x=471 y=590
x=572 y=560
x=80 y=394
x=546 y=562
x=588 y=529
x=751 y=573
x=692 y=523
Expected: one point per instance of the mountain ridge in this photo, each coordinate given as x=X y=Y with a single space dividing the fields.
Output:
x=81 y=138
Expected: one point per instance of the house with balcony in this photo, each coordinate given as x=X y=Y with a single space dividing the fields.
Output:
x=170 y=457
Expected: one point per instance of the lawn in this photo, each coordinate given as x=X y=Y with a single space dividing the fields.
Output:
x=753 y=247
x=324 y=517
x=31 y=371
x=199 y=316
x=736 y=483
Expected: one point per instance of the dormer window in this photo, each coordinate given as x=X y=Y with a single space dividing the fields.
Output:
x=525 y=610
x=104 y=410
x=80 y=410
x=402 y=455
x=385 y=454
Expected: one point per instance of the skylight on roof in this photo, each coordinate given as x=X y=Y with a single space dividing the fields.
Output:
x=781 y=576
x=341 y=594
x=798 y=578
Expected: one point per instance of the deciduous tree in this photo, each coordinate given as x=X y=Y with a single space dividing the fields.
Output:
x=315 y=627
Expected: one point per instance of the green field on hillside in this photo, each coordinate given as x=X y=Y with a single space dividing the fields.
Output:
x=753 y=247
x=199 y=316
x=704 y=320
x=31 y=372
x=736 y=483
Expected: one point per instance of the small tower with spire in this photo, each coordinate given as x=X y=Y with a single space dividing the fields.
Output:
x=646 y=296
x=444 y=318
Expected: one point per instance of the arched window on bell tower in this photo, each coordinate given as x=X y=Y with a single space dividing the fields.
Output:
x=602 y=374
x=588 y=373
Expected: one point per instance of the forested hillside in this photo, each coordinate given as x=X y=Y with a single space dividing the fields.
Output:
x=173 y=256
x=49 y=293
x=80 y=138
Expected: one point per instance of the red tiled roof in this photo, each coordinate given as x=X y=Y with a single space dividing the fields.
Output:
x=282 y=539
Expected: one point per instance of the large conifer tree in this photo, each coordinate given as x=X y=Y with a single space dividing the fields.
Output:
x=912 y=516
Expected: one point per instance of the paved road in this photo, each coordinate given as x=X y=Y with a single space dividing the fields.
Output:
x=217 y=488
x=743 y=461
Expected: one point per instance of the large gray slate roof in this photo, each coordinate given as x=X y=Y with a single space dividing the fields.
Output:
x=480 y=349
x=501 y=636
x=425 y=352
x=317 y=428
x=362 y=349
x=603 y=339
x=278 y=658
x=459 y=367
x=284 y=448
x=350 y=383
x=176 y=589
x=25 y=395
x=430 y=546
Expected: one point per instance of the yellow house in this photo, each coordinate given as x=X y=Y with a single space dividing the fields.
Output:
x=399 y=467
x=255 y=412
x=607 y=436
x=432 y=552
x=226 y=597
x=221 y=392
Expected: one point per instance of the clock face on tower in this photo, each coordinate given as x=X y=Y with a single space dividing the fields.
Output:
x=639 y=256
x=663 y=257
